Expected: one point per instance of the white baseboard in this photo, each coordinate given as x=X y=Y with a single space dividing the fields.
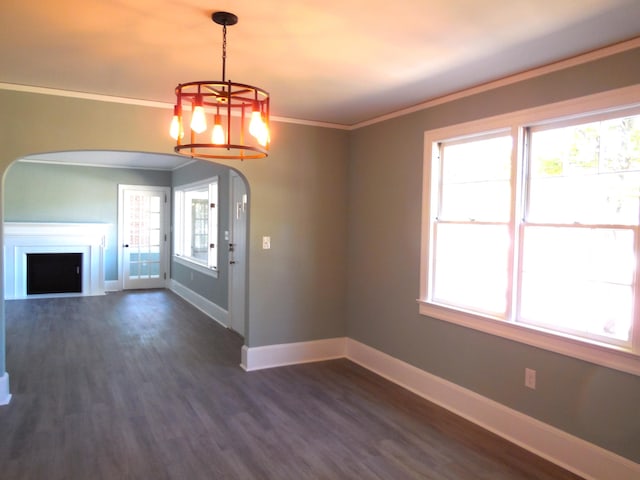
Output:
x=112 y=285
x=572 y=453
x=5 y=396
x=258 y=358
x=209 y=308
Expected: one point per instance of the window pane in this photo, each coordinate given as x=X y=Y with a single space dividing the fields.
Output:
x=483 y=201
x=154 y=238
x=154 y=220
x=588 y=173
x=134 y=269
x=476 y=180
x=200 y=228
x=196 y=227
x=579 y=280
x=155 y=203
x=471 y=267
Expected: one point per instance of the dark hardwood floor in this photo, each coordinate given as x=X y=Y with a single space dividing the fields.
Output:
x=141 y=385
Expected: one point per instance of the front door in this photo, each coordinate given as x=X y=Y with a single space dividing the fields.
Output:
x=144 y=220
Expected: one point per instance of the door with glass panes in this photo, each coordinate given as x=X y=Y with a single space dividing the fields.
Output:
x=143 y=236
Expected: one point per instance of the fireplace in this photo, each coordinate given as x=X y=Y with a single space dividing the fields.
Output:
x=66 y=258
x=54 y=273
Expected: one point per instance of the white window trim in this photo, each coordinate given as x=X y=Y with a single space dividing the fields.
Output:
x=179 y=227
x=187 y=262
x=591 y=351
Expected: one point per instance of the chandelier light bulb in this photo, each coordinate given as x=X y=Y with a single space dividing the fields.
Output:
x=263 y=136
x=217 y=134
x=255 y=124
x=175 y=129
x=198 y=119
x=257 y=128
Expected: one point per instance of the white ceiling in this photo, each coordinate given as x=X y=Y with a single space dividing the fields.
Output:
x=336 y=61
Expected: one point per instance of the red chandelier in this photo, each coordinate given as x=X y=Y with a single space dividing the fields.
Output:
x=228 y=120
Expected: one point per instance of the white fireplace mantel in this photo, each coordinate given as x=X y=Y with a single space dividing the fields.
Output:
x=22 y=238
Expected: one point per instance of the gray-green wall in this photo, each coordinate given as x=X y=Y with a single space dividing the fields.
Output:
x=385 y=190
x=299 y=199
x=36 y=192
x=298 y=196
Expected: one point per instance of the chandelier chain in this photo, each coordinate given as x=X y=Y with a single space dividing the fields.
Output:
x=224 y=51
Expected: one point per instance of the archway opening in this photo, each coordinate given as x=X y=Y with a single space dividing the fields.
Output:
x=81 y=187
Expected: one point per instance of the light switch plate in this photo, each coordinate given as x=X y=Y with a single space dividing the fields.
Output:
x=266 y=243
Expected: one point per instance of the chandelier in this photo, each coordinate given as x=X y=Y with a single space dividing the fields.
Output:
x=228 y=120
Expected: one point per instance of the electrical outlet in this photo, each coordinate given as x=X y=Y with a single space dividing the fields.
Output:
x=266 y=243
x=530 y=378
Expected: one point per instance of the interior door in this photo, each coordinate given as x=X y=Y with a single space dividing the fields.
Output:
x=237 y=253
x=144 y=249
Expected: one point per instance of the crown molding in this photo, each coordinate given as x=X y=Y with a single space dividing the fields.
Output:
x=82 y=95
x=511 y=79
x=144 y=103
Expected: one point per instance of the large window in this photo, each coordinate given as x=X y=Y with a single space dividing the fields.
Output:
x=196 y=224
x=531 y=230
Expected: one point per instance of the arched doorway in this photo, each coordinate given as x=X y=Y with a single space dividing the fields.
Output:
x=41 y=201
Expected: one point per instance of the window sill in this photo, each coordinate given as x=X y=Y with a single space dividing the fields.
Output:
x=599 y=354
x=196 y=266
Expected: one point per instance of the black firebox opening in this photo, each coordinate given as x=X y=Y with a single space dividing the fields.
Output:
x=54 y=273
